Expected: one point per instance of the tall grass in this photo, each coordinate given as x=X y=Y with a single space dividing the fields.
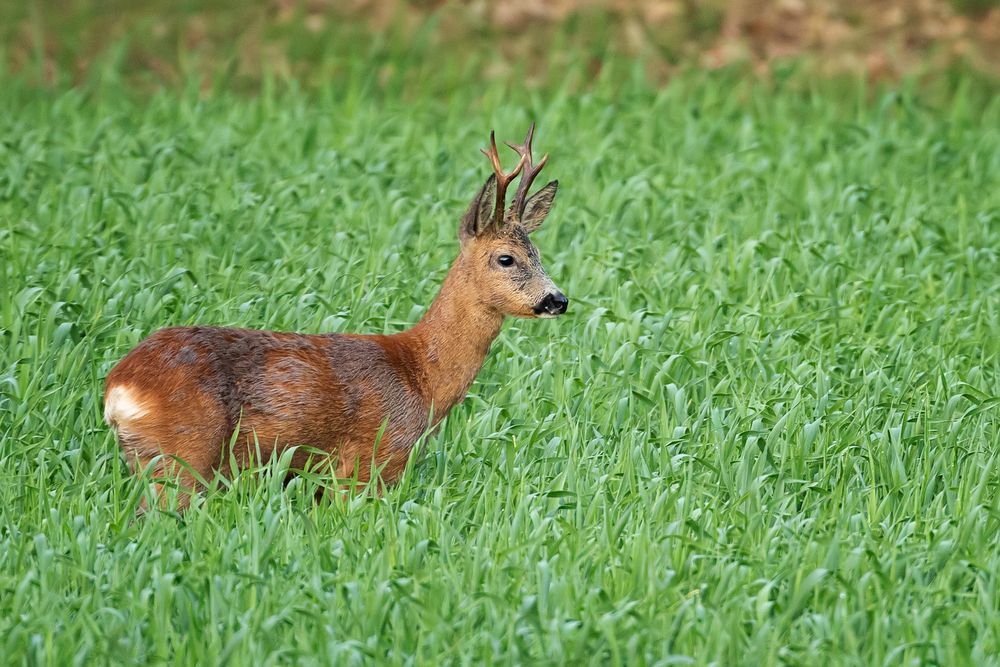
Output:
x=765 y=433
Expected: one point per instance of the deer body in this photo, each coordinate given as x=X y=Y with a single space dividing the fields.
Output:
x=185 y=393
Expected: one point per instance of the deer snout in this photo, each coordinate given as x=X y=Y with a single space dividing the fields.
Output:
x=553 y=305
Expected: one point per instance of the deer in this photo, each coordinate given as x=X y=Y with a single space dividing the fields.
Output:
x=188 y=398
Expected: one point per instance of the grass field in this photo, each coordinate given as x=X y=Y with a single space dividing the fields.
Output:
x=765 y=432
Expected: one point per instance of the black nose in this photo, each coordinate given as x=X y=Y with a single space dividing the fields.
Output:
x=552 y=304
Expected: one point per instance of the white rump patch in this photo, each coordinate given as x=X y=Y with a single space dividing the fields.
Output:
x=122 y=406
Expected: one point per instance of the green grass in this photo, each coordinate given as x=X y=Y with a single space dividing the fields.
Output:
x=765 y=433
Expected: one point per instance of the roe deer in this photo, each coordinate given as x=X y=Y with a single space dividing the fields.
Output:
x=185 y=393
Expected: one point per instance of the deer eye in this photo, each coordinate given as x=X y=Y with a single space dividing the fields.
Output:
x=505 y=260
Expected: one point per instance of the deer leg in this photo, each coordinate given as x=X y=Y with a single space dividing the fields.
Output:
x=154 y=452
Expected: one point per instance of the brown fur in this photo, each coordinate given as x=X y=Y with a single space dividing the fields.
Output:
x=185 y=392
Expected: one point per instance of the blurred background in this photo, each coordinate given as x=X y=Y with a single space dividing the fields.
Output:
x=240 y=44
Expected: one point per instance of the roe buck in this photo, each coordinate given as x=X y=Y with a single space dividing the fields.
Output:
x=185 y=393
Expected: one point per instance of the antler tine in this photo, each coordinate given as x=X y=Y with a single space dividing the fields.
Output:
x=503 y=179
x=530 y=171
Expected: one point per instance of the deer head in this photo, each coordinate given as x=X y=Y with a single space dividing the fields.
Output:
x=500 y=261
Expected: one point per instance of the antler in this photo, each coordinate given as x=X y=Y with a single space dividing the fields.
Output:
x=530 y=171
x=503 y=179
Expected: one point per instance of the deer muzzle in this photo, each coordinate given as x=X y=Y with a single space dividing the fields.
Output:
x=553 y=305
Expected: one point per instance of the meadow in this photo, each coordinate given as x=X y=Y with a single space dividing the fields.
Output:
x=764 y=433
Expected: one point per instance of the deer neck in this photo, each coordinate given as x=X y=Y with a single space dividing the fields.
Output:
x=454 y=337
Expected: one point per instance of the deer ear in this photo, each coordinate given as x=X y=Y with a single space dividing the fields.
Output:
x=480 y=212
x=537 y=207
